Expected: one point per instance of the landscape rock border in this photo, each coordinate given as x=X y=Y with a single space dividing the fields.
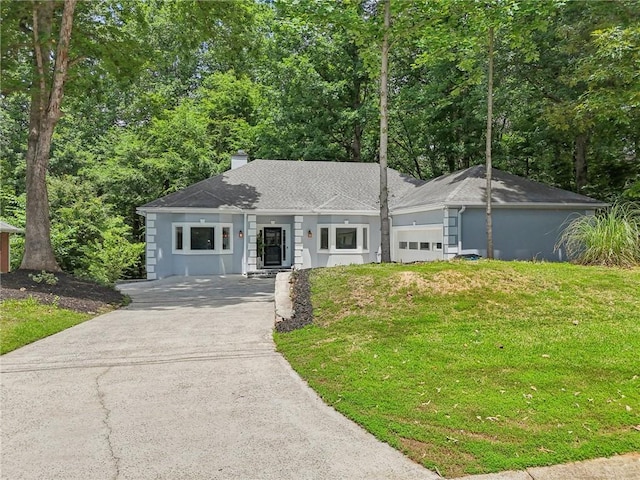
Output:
x=293 y=301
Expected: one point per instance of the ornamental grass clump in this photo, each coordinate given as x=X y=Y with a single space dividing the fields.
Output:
x=611 y=237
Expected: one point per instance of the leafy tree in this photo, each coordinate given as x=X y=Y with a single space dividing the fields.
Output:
x=321 y=96
x=88 y=238
x=470 y=28
x=568 y=75
x=48 y=79
x=39 y=33
x=110 y=41
x=178 y=146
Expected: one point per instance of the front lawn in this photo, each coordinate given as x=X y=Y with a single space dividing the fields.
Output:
x=473 y=367
x=25 y=321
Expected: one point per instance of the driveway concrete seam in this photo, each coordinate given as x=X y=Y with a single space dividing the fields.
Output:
x=127 y=362
x=107 y=424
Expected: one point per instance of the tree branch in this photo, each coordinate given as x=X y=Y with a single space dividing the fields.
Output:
x=62 y=59
x=76 y=61
x=37 y=48
x=541 y=89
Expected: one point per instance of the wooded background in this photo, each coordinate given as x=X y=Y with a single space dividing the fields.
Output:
x=158 y=95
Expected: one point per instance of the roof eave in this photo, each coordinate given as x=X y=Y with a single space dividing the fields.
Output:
x=544 y=205
x=261 y=211
x=416 y=209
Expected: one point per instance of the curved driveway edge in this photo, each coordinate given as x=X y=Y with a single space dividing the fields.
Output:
x=184 y=383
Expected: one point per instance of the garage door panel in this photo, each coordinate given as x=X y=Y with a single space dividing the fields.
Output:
x=418 y=244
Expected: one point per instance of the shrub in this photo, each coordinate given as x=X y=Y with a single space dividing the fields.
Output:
x=114 y=254
x=46 y=277
x=611 y=237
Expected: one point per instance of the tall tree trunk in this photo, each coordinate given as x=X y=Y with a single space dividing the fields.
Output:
x=488 y=146
x=45 y=112
x=355 y=153
x=356 y=144
x=384 y=134
x=580 y=161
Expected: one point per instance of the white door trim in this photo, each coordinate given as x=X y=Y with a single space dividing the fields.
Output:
x=286 y=230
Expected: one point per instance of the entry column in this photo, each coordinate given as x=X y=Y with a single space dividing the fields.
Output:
x=252 y=261
x=297 y=241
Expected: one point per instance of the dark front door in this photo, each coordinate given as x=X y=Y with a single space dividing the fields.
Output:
x=272 y=246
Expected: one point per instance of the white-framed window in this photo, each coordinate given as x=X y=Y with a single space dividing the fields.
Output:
x=343 y=238
x=324 y=238
x=202 y=238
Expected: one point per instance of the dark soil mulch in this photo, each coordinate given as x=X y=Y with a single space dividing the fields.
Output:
x=301 y=298
x=69 y=292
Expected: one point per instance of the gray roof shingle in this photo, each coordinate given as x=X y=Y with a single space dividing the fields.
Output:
x=468 y=187
x=313 y=186
x=8 y=228
x=292 y=185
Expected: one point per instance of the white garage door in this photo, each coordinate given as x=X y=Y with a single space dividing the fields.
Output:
x=416 y=244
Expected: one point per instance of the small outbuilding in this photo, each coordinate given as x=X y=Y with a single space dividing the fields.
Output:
x=5 y=249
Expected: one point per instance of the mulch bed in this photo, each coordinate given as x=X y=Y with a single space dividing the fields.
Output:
x=301 y=298
x=69 y=292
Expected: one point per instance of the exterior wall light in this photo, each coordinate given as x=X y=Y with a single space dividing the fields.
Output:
x=240 y=234
x=310 y=234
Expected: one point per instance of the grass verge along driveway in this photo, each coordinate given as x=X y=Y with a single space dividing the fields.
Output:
x=476 y=367
x=25 y=321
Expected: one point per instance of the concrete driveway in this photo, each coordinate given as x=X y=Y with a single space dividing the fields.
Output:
x=182 y=384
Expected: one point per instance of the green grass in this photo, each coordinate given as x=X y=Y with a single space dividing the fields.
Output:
x=476 y=367
x=25 y=321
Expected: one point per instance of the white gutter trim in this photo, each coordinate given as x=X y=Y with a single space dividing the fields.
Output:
x=460 y=212
x=545 y=205
x=541 y=205
x=424 y=208
x=392 y=238
x=245 y=246
x=369 y=213
x=143 y=211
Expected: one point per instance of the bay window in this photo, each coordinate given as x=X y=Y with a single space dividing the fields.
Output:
x=178 y=238
x=346 y=238
x=324 y=238
x=202 y=238
x=343 y=238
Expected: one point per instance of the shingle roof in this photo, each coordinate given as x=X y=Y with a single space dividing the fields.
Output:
x=6 y=227
x=468 y=187
x=292 y=185
x=312 y=186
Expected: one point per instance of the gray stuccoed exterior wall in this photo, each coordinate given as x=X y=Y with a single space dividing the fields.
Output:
x=166 y=263
x=432 y=217
x=310 y=255
x=518 y=233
